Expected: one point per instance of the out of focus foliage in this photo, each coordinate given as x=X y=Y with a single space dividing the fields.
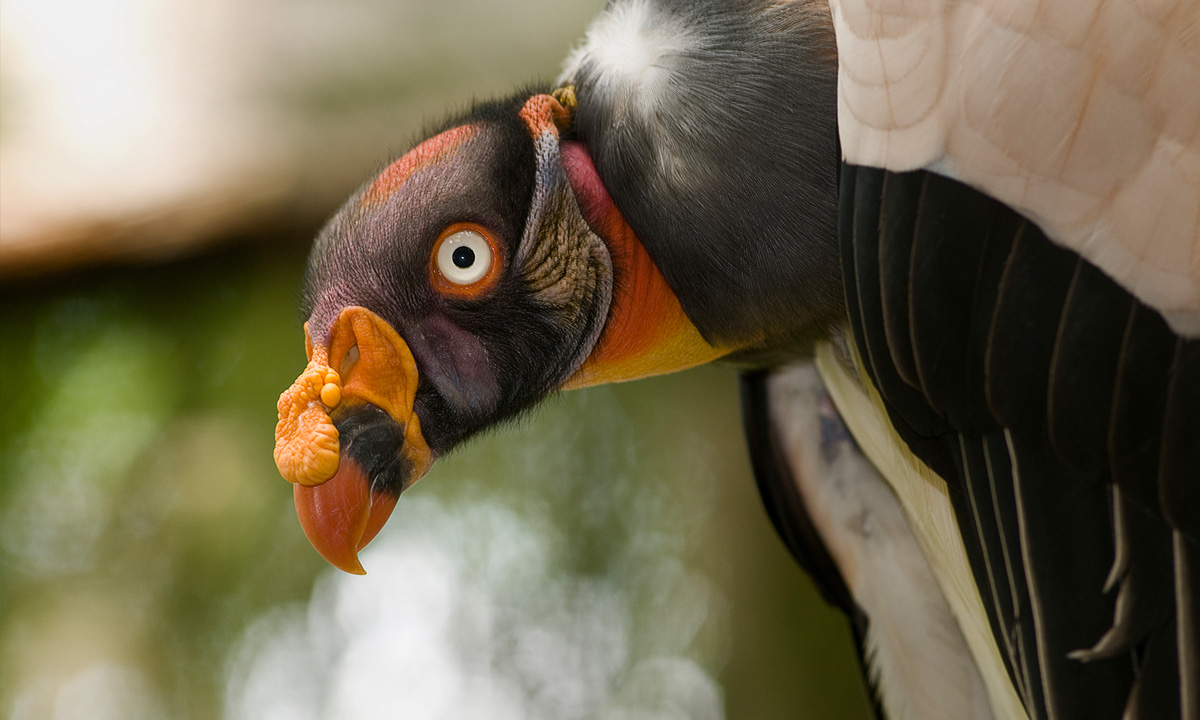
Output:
x=607 y=556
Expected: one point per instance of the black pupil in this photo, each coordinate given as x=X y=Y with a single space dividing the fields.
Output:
x=464 y=257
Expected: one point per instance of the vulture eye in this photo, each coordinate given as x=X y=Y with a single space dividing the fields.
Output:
x=465 y=261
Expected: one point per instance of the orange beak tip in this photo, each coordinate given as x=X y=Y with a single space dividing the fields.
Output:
x=341 y=516
x=335 y=514
x=382 y=504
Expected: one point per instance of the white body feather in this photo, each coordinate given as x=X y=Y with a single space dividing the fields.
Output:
x=915 y=652
x=1084 y=115
x=922 y=496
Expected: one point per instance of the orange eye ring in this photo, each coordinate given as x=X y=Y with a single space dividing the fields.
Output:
x=465 y=262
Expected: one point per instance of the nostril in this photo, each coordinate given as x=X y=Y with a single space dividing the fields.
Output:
x=349 y=360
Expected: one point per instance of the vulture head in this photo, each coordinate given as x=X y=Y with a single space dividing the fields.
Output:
x=483 y=270
x=658 y=211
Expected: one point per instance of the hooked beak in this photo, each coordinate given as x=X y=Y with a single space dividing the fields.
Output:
x=348 y=437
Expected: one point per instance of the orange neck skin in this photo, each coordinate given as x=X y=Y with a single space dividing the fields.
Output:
x=647 y=332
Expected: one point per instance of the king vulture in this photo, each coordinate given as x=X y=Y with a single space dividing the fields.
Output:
x=953 y=245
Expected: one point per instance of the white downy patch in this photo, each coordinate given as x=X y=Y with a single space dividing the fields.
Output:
x=628 y=43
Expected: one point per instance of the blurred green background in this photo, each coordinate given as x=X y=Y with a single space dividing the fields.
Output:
x=606 y=558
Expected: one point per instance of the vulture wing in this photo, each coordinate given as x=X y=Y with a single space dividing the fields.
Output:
x=1020 y=229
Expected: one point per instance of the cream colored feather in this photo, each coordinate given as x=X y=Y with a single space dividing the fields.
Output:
x=915 y=651
x=1082 y=114
x=923 y=497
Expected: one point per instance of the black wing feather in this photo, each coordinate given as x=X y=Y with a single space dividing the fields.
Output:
x=943 y=276
x=1179 y=468
x=859 y=223
x=1003 y=590
x=1155 y=693
x=1140 y=405
x=899 y=216
x=1067 y=551
x=1083 y=369
x=1187 y=605
x=1065 y=417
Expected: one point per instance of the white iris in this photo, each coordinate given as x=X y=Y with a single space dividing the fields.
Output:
x=464 y=257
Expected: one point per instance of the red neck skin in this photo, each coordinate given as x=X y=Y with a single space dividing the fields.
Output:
x=647 y=331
